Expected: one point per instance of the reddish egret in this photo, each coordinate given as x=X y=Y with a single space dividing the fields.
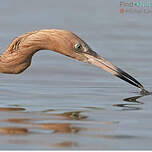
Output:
x=17 y=57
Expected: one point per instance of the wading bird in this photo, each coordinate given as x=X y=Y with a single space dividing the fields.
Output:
x=17 y=57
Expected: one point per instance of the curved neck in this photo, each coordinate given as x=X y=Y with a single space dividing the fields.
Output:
x=17 y=57
x=29 y=43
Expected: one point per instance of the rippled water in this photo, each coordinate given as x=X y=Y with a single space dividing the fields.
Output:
x=59 y=103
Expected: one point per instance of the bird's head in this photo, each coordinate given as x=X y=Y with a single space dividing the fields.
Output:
x=71 y=45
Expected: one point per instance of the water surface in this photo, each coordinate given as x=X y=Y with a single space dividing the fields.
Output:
x=59 y=103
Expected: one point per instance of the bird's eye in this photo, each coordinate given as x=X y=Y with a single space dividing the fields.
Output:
x=77 y=46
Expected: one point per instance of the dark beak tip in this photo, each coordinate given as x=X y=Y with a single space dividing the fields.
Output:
x=128 y=78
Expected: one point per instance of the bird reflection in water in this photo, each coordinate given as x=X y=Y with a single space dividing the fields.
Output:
x=74 y=115
x=133 y=101
x=65 y=144
x=65 y=127
x=60 y=127
x=11 y=109
x=13 y=130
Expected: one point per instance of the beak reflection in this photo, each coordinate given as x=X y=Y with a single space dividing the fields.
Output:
x=100 y=62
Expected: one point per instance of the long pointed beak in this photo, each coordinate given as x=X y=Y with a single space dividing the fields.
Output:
x=100 y=62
